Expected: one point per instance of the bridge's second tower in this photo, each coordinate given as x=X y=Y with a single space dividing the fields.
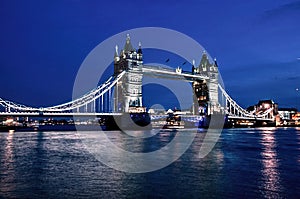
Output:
x=128 y=92
x=206 y=91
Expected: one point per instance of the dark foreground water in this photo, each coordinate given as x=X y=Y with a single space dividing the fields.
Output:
x=245 y=163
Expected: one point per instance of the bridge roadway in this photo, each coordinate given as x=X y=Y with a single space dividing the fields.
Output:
x=93 y=114
x=196 y=118
x=169 y=73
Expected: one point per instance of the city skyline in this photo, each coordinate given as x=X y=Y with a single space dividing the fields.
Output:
x=256 y=44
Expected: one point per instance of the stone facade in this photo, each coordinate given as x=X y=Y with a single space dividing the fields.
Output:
x=128 y=92
x=206 y=91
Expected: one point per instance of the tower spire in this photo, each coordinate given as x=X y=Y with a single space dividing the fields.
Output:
x=128 y=37
x=140 y=48
x=117 y=51
x=216 y=63
x=128 y=47
x=193 y=67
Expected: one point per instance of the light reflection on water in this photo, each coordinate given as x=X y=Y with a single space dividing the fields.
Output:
x=245 y=163
x=298 y=143
x=8 y=165
x=271 y=179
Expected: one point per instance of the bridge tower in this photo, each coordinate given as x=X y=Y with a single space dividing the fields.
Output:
x=128 y=91
x=206 y=91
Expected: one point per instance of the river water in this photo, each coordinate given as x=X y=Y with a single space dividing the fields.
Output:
x=245 y=163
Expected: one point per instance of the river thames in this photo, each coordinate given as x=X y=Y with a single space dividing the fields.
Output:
x=245 y=163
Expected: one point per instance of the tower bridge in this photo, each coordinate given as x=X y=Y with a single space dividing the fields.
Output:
x=122 y=92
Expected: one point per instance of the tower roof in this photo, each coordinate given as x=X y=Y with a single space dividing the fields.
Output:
x=204 y=60
x=128 y=47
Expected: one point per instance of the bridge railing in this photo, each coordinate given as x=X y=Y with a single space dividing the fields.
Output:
x=235 y=110
x=88 y=99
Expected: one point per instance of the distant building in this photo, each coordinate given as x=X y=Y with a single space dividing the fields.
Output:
x=252 y=109
x=264 y=105
x=286 y=115
x=266 y=108
x=296 y=118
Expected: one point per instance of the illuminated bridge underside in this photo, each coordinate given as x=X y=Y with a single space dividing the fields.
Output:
x=93 y=102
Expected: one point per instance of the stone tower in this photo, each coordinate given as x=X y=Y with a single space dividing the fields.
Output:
x=206 y=91
x=128 y=91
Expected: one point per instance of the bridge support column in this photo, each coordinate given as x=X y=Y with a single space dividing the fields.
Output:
x=212 y=84
x=109 y=101
x=206 y=91
x=102 y=101
x=94 y=106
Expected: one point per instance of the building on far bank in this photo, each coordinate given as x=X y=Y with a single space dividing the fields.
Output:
x=264 y=105
x=296 y=118
x=286 y=116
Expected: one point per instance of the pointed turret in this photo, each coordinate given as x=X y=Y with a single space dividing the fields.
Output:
x=215 y=62
x=140 y=48
x=128 y=47
x=193 y=67
x=116 y=51
x=116 y=56
x=139 y=52
x=204 y=63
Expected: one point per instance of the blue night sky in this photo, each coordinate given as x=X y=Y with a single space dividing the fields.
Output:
x=256 y=43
